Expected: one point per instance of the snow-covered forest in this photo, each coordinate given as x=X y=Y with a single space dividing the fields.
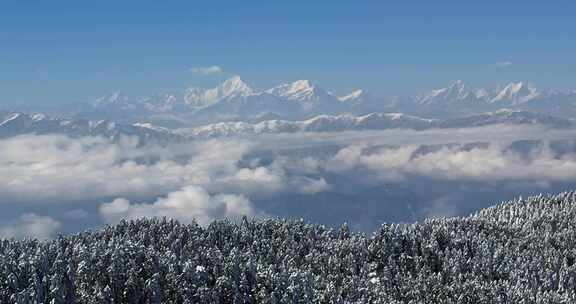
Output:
x=517 y=252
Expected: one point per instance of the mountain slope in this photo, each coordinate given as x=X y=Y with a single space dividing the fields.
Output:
x=517 y=252
x=515 y=94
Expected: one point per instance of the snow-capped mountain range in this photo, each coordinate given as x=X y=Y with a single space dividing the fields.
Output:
x=457 y=98
x=235 y=108
x=376 y=121
x=14 y=124
x=235 y=100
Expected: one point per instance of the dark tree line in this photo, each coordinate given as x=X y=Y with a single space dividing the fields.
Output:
x=517 y=252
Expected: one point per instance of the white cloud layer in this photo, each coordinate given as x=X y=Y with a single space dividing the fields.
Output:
x=219 y=178
x=188 y=178
x=30 y=225
x=491 y=163
x=60 y=169
x=184 y=205
x=209 y=70
x=57 y=168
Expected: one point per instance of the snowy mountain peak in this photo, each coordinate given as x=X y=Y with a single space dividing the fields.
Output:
x=482 y=93
x=515 y=93
x=302 y=85
x=458 y=85
x=235 y=86
x=518 y=88
x=457 y=88
x=354 y=96
x=300 y=90
x=455 y=92
x=232 y=87
x=38 y=117
x=5 y=118
x=115 y=98
x=294 y=87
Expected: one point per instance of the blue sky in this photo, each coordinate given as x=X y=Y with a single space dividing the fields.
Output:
x=69 y=51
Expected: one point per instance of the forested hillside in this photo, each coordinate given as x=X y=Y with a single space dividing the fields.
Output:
x=517 y=252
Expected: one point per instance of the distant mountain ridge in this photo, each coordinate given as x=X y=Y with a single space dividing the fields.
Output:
x=376 y=121
x=15 y=123
x=235 y=100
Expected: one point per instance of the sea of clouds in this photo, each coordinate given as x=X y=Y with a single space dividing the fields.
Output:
x=231 y=177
